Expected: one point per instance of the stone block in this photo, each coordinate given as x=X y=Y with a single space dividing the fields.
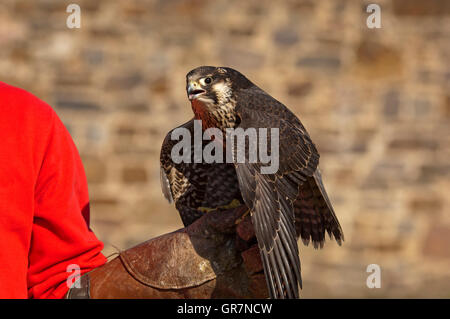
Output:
x=376 y=60
x=95 y=169
x=419 y=8
x=437 y=242
x=134 y=175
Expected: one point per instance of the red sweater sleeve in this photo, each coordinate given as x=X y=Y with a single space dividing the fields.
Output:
x=44 y=203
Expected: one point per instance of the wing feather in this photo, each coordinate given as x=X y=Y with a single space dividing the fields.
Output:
x=165 y=185
x=271 y=196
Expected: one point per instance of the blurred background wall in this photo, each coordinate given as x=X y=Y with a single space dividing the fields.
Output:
x=376 y=102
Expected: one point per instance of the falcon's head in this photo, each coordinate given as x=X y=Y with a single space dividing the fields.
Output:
x=214 y=86
x=212 y=92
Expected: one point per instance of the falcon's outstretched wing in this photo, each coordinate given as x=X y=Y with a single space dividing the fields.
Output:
x=271 y=197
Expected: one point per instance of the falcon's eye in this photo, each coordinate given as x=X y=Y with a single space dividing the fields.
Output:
x=205 y=81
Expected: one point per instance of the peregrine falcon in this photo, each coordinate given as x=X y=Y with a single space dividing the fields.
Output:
x=284 y=205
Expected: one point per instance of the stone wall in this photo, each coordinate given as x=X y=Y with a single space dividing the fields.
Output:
x=376 y=102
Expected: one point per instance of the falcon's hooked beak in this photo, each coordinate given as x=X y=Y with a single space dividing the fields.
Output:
x=194 y=90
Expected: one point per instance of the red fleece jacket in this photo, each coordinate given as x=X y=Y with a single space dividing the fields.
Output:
x=44 y=203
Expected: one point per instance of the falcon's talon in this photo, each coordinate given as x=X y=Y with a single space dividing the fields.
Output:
x=235 y=203
x=240 y=219
x=205 y=209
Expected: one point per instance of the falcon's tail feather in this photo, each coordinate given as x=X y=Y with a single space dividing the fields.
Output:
x=314 y=214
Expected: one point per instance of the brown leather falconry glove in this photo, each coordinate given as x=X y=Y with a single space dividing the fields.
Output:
x=215 y=257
